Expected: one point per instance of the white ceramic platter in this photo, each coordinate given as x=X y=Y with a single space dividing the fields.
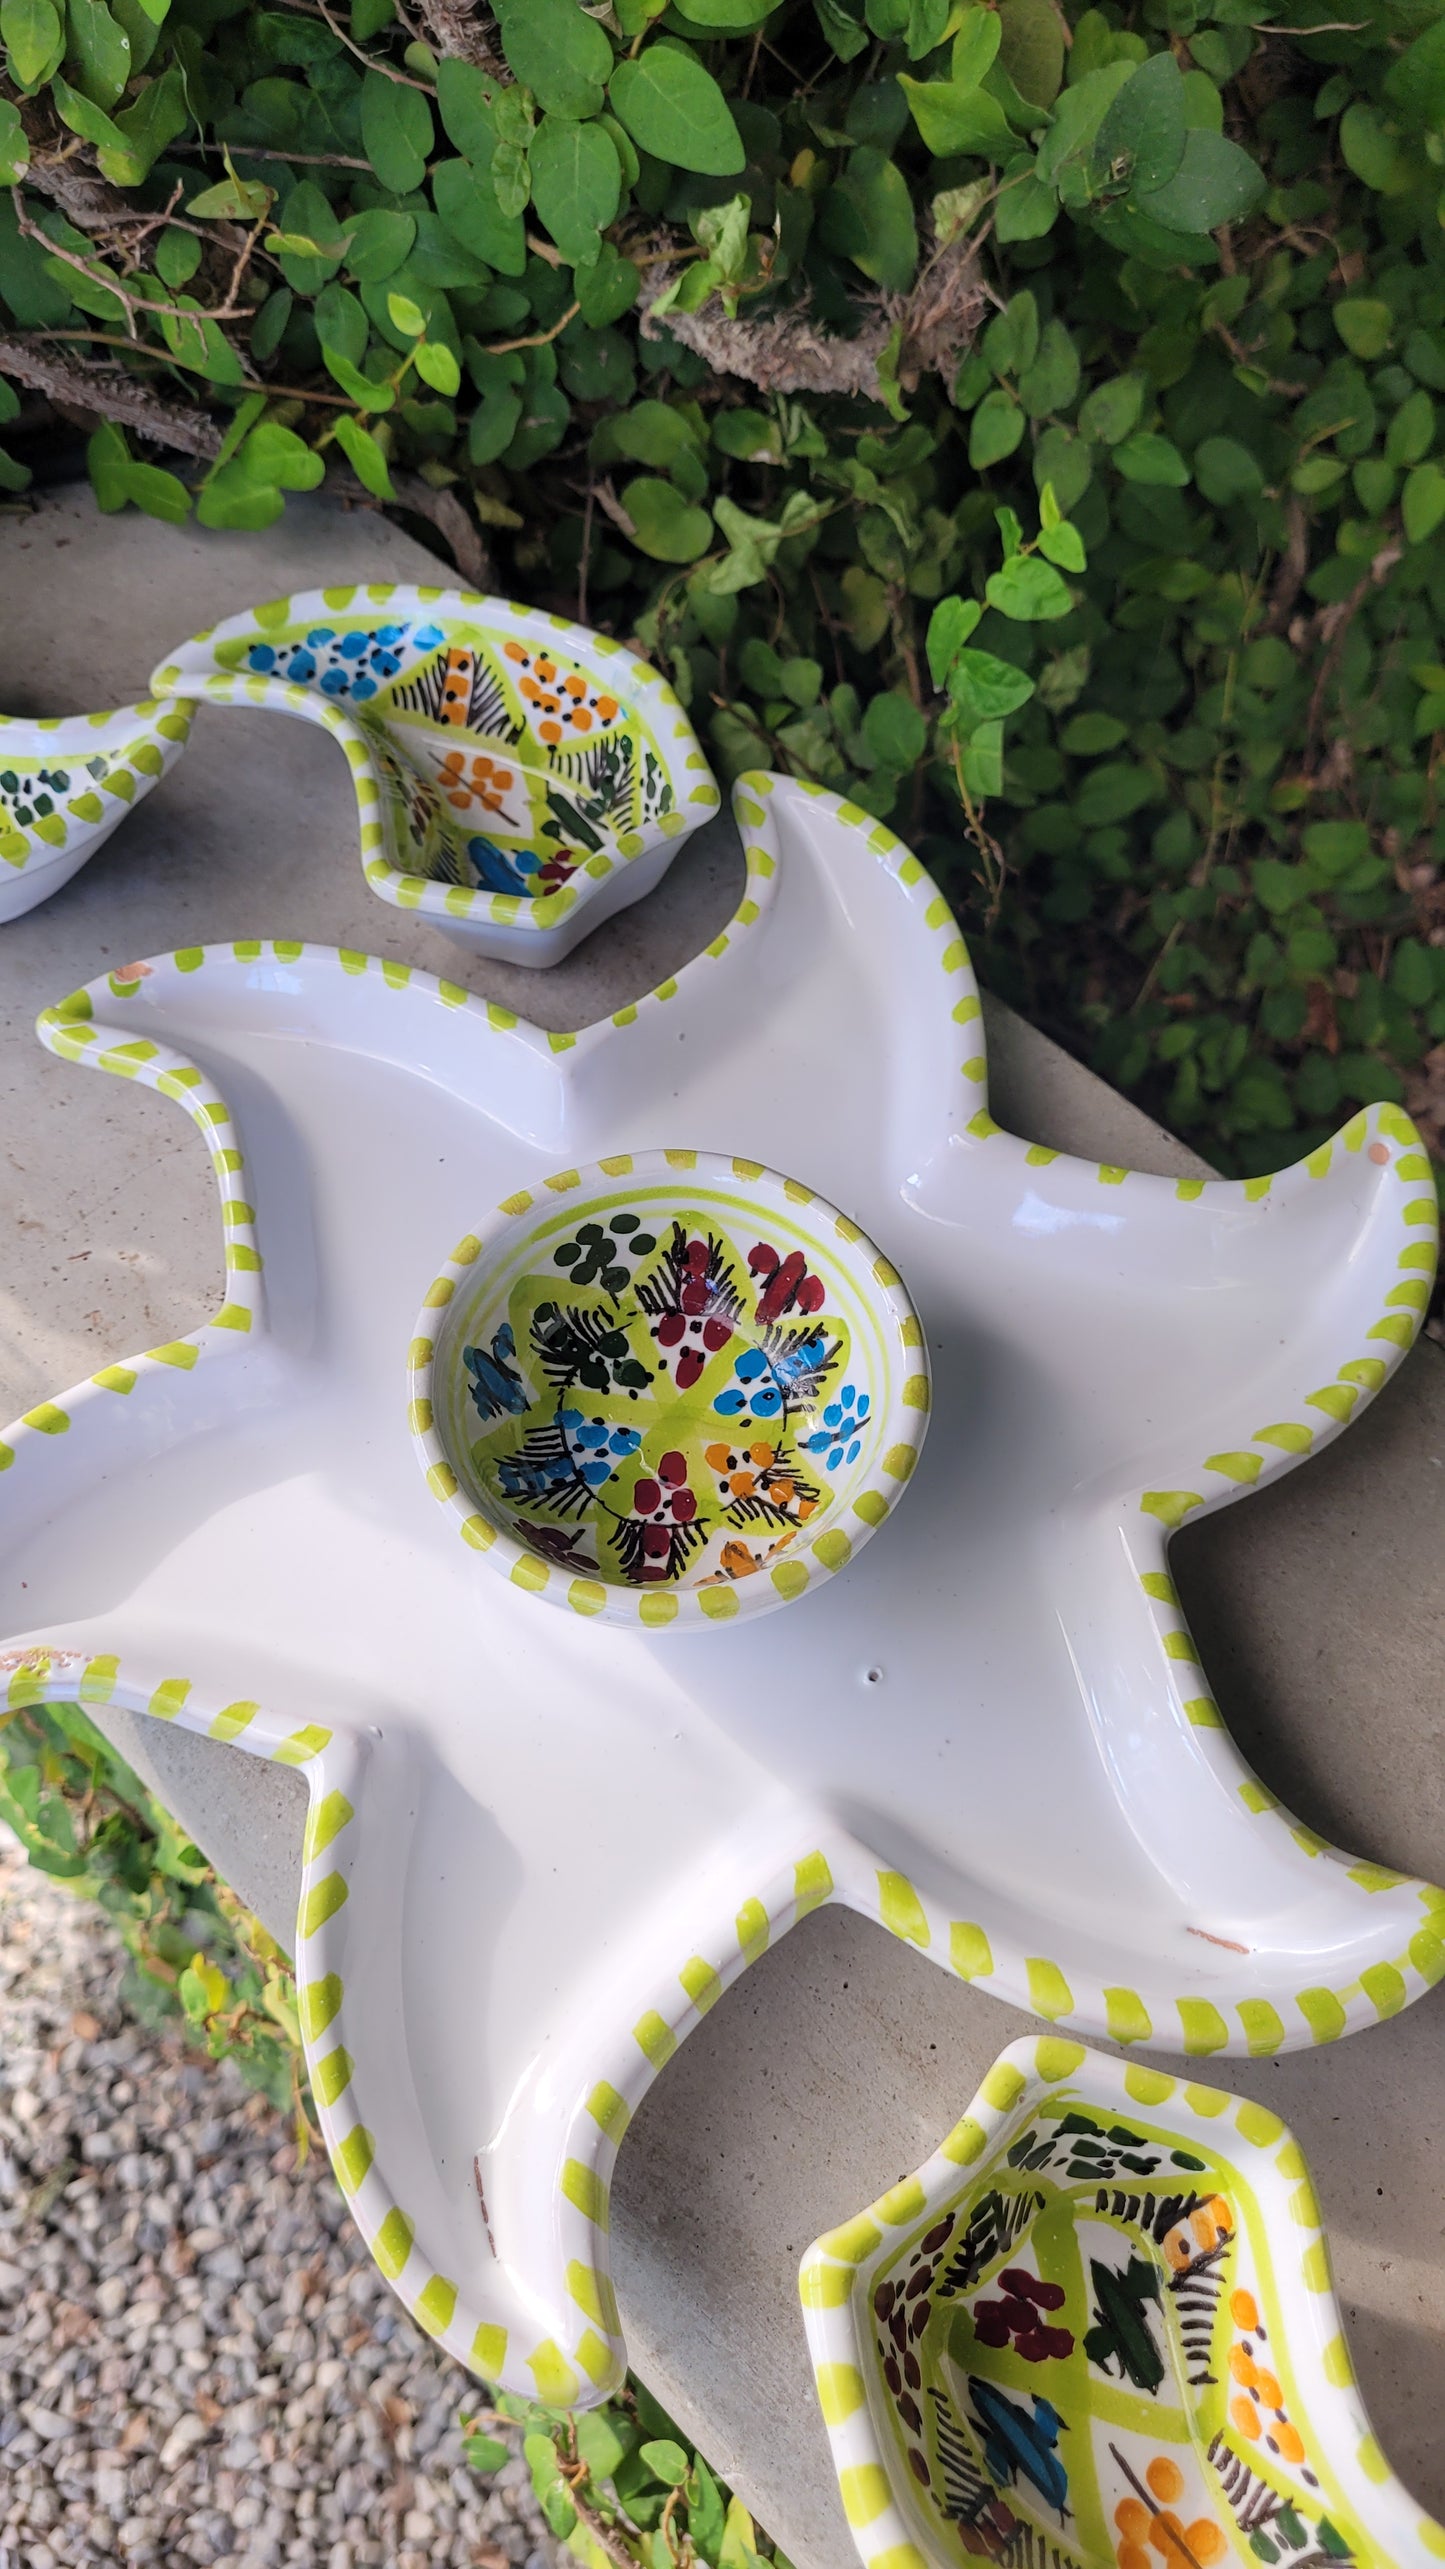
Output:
x=541 y=1843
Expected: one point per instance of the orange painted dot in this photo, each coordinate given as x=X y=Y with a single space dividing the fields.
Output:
x=607 y=708
x=1133 y=2519
x=1379 y=1153
x=1165 y=2479
x=575 y=685
x=1166 y=2533
x=1206 y=2542
x=581 y=719
x=1267 y=2391
x=1243 y=2309
x=1243 y=2368
x=551 y=733
x=514 y=651
x=1245 y=2416
x=1287 y=2440
x=1132 y=2555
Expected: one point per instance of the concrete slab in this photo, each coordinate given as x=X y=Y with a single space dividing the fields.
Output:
x=837 y=2063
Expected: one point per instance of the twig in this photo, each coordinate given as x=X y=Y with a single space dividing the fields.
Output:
x=1294 y=562
x=583 y=565
x=1383 y=563
x=1327 y=27
x=255 y=152
x=539 y=338
x=99 y=274
x=110 y=393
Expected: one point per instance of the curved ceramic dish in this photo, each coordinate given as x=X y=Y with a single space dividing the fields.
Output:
x=1097 y=2331
x=540 y=1844
x=66 y=784
x=517 y=778
x=685 y=1380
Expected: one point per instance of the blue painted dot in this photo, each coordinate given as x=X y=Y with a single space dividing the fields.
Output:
x=363 y=687
x=428 y=636
x=321 y=634
x=749 y=1366
x=303 y=667
x=334 y=683
x=855 y=1449
x=728 y=1404
x=833 y=1414
x=391 y=633
x=261 y=656
x=352 y=645
x=863 y=1407
x=767 y=1402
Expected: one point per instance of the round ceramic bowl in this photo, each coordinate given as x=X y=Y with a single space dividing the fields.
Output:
x=671 y=1388
x=66 y=783
x=518 y=778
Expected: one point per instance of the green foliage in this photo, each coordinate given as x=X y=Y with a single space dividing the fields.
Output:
x=623 y=2484
x=1130 y=349
x=196 y=1959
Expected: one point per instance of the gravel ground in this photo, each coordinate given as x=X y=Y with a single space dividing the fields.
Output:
x=198 y=2361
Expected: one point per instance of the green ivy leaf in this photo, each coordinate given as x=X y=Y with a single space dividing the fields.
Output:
x=560 y=54
x=1366 y=326
x=974 y=45
x=358 y=387
x=1226 y=471
x=99 y=51
x=608 y=288
x=576 y=185
x=1112 y=409
x=954 y=117
x=949 y=627
x=868 y=217
x=486 y=2452
x=983 y=688
x=996 y=430
x=663 y=523
x=1032 y=48
x=161 y=112
x=466 y=200
x=14 y=145
x=666 y=2461
x=396 y=132
x=1146 y=458
x=437 y=367
x=33 y=39
x=365 y=457
x=1140 y=143
x=895 y=732
x=1422 y=502
x=1029 y=590
x=1215 y=183
x=674 y=109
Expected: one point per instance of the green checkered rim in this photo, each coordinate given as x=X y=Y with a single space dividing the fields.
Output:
x=1047 y=2077
x=702 y=1178
x=137 y=742
x=199 y=674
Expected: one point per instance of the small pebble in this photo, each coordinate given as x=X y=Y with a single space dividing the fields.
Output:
x=200 y=2367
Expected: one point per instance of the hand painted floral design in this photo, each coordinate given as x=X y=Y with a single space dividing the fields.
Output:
x=837 y=1440
x=1148 y=2523
x=349 y=666
x=476 y=778
x=659 y=1385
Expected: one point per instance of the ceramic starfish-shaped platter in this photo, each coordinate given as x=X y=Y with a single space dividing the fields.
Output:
x=540 y=1844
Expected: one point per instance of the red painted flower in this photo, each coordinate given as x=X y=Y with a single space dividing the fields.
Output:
x=787 y=1283
x=1019 y=2317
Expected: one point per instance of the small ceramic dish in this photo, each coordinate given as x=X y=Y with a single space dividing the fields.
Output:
x=66 y=784
x=1096 y=2331
x=518 y=778
x=687 y=1381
